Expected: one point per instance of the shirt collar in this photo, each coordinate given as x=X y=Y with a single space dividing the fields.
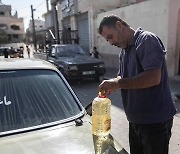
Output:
x=136 y=34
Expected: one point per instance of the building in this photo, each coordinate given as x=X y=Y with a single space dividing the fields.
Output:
x=76 y=19
x=161 y=17
x=11 y=26
x=39 y=26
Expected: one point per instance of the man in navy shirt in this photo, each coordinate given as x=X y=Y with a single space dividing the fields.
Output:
x=143 y=80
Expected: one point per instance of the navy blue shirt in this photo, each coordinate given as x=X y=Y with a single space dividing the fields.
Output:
x=147 y=105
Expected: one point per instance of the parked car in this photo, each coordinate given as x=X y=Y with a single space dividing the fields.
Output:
x=74 y=62
x=2 y=50
x=12 y=52
x=40 y=113
x=16 y=53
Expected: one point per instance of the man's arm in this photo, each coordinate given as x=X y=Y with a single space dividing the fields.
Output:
x=144 y=80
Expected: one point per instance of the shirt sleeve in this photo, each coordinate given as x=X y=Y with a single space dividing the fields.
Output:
x=151 y=53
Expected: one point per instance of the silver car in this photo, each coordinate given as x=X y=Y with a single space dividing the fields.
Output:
x=40 y=113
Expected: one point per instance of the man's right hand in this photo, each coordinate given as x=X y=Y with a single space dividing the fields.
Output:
x=109 y=86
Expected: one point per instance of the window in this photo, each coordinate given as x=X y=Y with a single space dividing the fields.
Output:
x=15 y=27
x=2 y=13
x=69 y=51
x=34 y=97
x=3 y=27
x=15 y=36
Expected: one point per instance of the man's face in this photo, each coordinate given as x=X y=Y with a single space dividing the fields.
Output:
x=115 y=35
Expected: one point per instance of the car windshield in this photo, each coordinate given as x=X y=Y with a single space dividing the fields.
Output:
x=69 y=50
x=34 y=97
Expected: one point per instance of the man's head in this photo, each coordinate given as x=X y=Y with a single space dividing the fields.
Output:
x=114 y=30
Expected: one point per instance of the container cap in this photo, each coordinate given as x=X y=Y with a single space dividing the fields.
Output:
x=102 y=96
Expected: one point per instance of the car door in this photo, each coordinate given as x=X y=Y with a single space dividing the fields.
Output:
x=53 y=58
x=52 y=55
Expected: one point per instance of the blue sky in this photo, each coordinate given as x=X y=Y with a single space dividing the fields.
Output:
x=24 y=8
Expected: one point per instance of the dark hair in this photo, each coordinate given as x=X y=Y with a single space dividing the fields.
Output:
x=110 y=21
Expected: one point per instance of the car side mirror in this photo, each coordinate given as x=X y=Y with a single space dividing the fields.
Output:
x=89 y=109
x=53 y=55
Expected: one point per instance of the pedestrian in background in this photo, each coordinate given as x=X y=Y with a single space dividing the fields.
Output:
x=144 y=84
x=5 y=53
x=28 y=51
x=95 y=53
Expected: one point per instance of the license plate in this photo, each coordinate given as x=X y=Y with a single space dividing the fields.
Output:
x=88 y=72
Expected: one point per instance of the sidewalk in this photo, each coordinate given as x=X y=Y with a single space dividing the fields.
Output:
x=175 y=139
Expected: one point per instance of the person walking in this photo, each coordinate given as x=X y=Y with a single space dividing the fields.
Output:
x=95 y=53
x=5 y=52
x=144 y=84
x=28 y=51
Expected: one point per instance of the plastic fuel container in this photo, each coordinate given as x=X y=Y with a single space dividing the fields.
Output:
x=101 y=119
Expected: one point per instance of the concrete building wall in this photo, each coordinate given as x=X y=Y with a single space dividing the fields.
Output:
x=84 y=5
x=173 y=45
x=93 y=8
x=12 y=25
x=39 y=25
x=6 y=9
x=151 y=15
x=9 y=21
x=48 y=20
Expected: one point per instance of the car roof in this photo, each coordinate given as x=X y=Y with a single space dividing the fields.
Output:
x=65 y=45
x=4 y=47
x=18 y=63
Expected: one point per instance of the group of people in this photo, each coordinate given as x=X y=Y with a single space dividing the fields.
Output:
x=143 y=81
x=14 y=54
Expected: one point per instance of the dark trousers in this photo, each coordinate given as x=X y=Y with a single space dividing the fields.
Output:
x=150 y=138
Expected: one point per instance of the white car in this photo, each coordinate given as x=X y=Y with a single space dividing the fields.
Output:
x=40 y=113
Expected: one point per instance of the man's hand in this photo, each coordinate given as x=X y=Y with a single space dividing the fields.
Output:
x=109 y=86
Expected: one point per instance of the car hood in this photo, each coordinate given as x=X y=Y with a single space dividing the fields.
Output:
x=78 y=59
x=65 y=139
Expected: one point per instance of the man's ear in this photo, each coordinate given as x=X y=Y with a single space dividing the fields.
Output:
x=119 y=25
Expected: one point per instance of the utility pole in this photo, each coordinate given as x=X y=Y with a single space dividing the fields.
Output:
x=56 y=24
x=47 y=5
x=33 y=28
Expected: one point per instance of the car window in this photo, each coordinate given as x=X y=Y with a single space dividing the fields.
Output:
x=61 y=51
x=69 y=50
x=34 y=97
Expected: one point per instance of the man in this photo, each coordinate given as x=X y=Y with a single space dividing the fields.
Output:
x=28 y=51
x=5 y=52
x=144 y=85
x=95 y=53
